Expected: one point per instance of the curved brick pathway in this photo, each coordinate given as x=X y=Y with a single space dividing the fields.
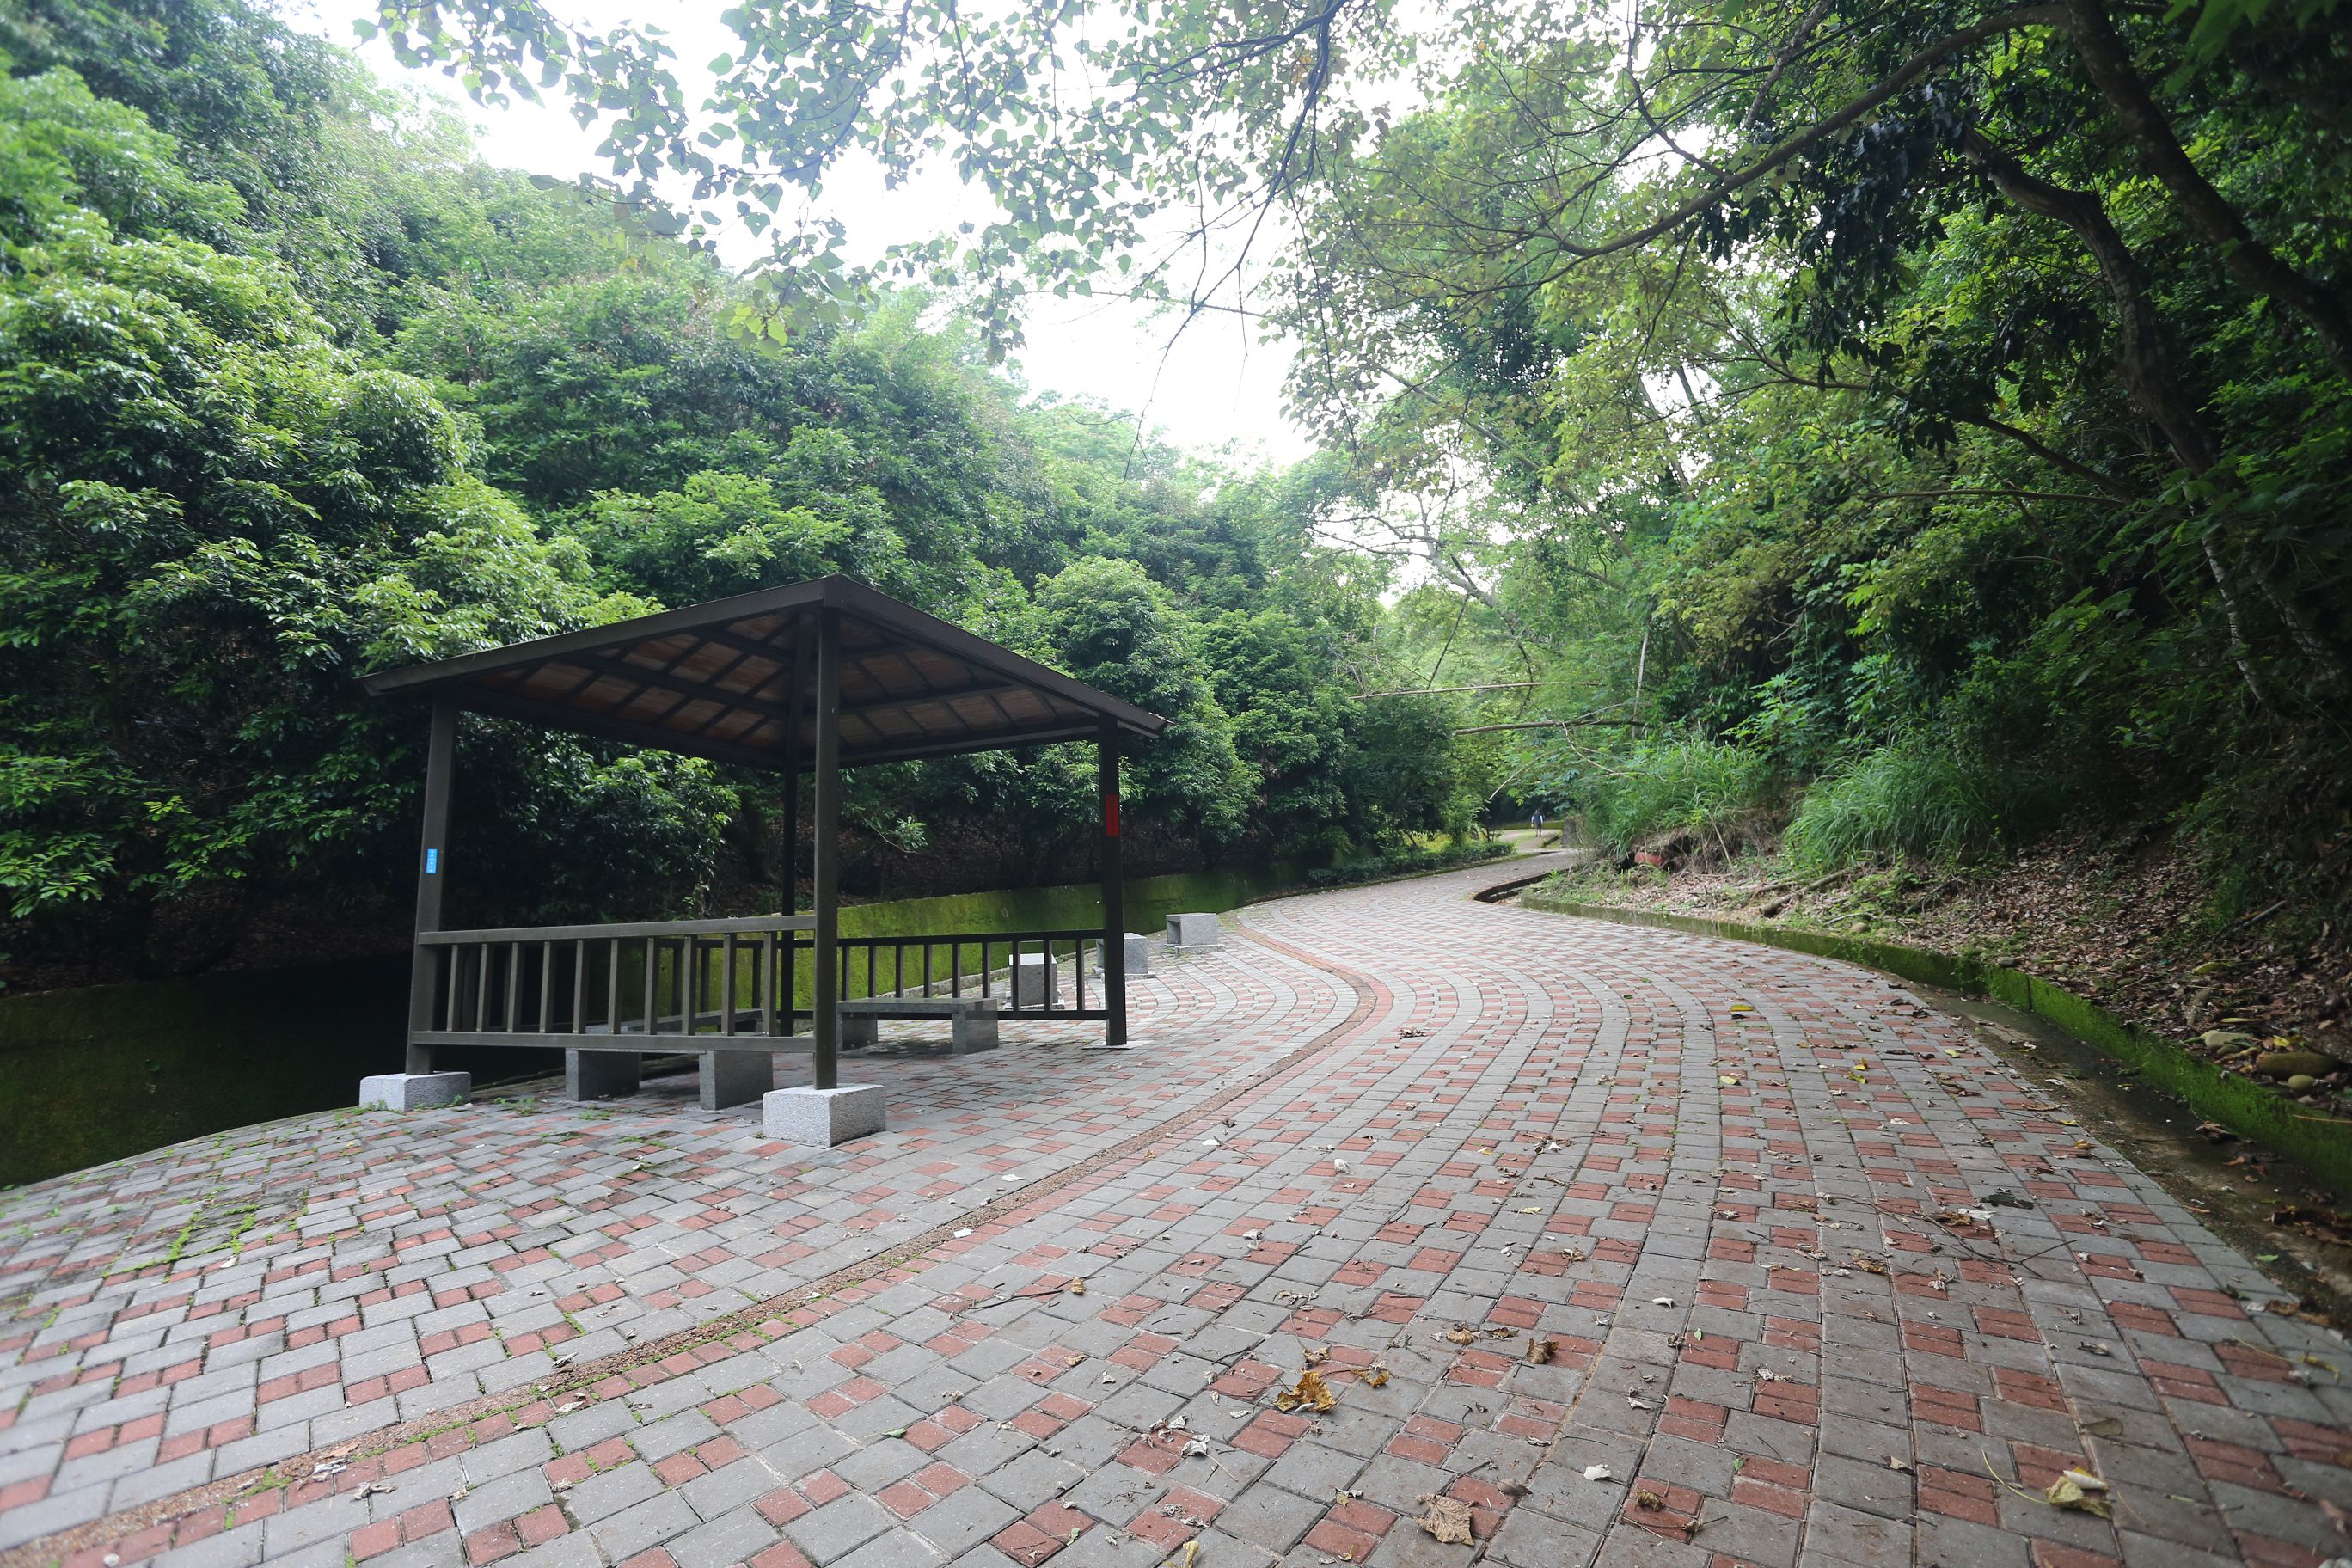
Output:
x=1533 y=1196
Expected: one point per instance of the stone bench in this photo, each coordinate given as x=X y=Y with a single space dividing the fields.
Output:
x=972 y=1019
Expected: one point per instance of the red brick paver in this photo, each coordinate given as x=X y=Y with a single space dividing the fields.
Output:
x=1549 y=1200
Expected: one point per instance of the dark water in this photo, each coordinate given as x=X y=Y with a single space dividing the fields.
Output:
x=93 y=1075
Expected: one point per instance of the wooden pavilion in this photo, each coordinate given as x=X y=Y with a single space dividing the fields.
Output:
x=813 y=678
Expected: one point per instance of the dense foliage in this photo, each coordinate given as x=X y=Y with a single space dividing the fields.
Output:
x=1919 y=427
x=1927 y=421
x=293 y=387
x=1903 y=425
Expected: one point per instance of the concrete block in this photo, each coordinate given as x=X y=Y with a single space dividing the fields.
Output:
x=1033 y=981
x=415 y=1090
x=822 y=1118
x=735 y=1077
x=600 y=1075
x=972 y=1029
x=1139 y=955
x=1194 y=930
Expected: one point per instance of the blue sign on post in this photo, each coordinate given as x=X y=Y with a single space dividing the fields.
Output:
x=432 y=862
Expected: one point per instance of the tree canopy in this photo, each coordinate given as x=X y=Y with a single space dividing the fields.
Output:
x=1910 y=425
x=293 y=387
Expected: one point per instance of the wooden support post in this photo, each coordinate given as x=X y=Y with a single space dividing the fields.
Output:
x=802 y=636
x=787 y=1009
x=1114 y=889
x=432 y=873
x=824 y=897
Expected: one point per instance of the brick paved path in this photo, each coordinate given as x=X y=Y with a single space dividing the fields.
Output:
x=1643 y=1249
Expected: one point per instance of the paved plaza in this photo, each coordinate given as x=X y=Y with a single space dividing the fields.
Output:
x=1410 y=1219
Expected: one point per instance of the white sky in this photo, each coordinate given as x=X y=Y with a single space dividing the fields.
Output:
x=1216 y=387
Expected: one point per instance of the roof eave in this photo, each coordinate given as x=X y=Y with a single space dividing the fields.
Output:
x=851 y=597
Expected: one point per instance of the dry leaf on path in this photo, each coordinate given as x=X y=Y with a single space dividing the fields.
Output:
x=1310 y=1394
x=1318 y=1354
x=1539 y=1352
x=1448 y=1519
x=1461 y=1336
x=1186 y=1558
x=2078 y=1490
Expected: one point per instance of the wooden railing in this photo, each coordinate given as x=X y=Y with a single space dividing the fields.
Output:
x=712 y=982
x=934 y=966
x=722 y=984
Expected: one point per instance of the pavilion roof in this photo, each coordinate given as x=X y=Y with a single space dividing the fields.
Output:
x=730 y=679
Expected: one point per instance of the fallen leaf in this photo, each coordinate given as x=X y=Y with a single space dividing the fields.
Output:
x=1318 y=1354
x=1540 y=1350
x=373 y=1489
x=1186 y=1558
x=1895 y=1464
x=1649 y=1499
x=1461 y=1336
x=2070 y=1492
x=1448 y=1519
x=1373 y=1377
x=1078 y=1287
x=2104 y=1427
x=1311 y=1393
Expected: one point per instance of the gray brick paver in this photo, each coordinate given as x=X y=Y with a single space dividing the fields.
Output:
x=1538 y=1140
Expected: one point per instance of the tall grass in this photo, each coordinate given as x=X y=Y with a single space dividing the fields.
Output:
x=1914 y=799
x=1694 y=784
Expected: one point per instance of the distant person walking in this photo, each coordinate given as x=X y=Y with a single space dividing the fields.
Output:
x=1535 y=820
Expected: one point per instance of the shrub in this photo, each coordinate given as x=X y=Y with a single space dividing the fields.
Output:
x=1693 y=785
x=1913 y=799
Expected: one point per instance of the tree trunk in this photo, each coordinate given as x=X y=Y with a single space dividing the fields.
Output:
x=2254 y=265
x=2146 y=368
